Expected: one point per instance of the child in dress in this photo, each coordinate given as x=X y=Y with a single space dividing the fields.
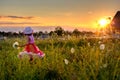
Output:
x=30 y=48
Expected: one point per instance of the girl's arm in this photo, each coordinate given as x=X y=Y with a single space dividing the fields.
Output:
x=25 y=44
x=21 y=45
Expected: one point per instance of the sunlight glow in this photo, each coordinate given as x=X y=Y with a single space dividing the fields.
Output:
x=103 y=22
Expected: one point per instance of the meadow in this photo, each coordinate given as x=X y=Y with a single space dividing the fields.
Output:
x=65 y=59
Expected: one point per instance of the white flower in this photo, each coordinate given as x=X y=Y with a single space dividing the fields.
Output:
x=69 y=36
x=66 y=61
x=102 y=47
x=88 y=44
x=72 y=50
x=99 y=42
x=5 y=38
x=15 y=45
x=104 y=65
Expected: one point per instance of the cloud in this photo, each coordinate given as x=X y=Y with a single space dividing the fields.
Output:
x=17 y=17
x=13 y=23
x=90 y=12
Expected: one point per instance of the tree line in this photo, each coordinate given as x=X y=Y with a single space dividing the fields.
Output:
x=59 y=31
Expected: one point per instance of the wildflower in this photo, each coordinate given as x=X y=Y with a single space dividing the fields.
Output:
x=104 y=65
x=99 y=42
x=66 y=61
x=4 y=38
x=15 y=45
x=68 y=36
x=72 y=50
x=102 y=47
x=88 y=44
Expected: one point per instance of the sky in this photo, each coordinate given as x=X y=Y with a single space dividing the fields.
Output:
x=75 y=13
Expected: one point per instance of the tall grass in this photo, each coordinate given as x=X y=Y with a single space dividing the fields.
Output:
x=88 y=62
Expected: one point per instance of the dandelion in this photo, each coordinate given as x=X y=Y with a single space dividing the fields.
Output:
x=66 y=61
x=99 y=42
x=102 y=47
x=88 y=44
x=15 y=45
x=72 y=50
x=4 y=38
x=68 y=36
x=104 y=65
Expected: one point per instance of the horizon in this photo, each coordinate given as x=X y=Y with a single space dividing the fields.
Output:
x=43 y=28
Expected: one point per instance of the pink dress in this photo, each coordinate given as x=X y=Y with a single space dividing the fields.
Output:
x=31 y=47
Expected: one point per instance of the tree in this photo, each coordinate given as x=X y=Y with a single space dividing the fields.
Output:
x=51 y=33
x=76 y=32
x=59 y=30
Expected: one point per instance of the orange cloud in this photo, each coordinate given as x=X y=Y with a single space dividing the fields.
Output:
x=17 y=17
x=18 y=21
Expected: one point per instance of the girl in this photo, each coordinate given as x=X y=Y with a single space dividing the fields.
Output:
x=30 y=47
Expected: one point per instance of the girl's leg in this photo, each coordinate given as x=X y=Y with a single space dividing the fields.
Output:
x=31 y=57
x=21 y=54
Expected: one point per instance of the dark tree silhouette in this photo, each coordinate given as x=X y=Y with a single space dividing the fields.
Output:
x=51 y=33
x=59 y=30
x=68 y=33
x=76 y=32
x=40 y=33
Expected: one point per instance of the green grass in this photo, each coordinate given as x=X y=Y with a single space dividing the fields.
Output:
x=88 y=62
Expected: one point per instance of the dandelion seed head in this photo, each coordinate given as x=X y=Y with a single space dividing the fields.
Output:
x=99 y=42
x=69 y=37
x=5 y=38
x=66 y=61
x=15 y=45
x=88 y=44
x=72 y=50
x=104 y=65
x=102 y=47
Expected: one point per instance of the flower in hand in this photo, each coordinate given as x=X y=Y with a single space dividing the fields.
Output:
x=16 y=45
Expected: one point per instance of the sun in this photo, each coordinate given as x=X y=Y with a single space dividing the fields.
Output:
x=103 y=22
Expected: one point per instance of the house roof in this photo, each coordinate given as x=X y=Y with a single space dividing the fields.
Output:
x=116 y=21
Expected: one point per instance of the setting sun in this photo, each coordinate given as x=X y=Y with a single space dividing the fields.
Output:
x=103 y=22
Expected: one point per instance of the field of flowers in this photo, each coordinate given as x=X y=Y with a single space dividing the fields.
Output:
x=71 y=59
